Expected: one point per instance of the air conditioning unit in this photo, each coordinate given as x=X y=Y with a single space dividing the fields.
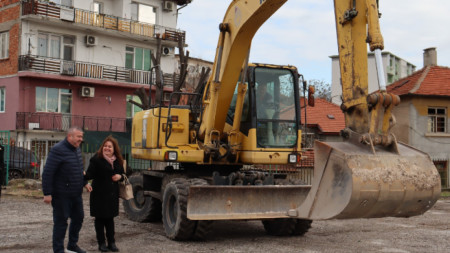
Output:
x=91 y=40
x=87 y=92
x=168 y=6
x=166 y=51
x=32 y=126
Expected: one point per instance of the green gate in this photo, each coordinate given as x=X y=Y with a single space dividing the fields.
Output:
x=5 y=138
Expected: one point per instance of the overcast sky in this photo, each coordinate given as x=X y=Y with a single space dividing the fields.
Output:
x=302 y=32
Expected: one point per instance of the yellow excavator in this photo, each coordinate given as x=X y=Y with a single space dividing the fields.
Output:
x=205 y=154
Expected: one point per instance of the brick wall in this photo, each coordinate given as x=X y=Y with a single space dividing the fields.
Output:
x=4 y=3
x=10 y=21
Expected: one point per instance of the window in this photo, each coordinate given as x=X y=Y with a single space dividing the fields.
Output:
x=50 y=45
x=2 y=99
x=274 y=95
x=437 y=117
x=98 y=7
x=143 y=13
x=137 y=58
x=68 y=46
x=53 y=100
x=4 y=45
x=132 y=109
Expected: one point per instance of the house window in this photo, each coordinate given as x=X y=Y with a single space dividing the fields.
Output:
x=53 y=100
x=50 y=45
x=98 y=7
x=437 y=117
x=2 y=99
x=137 y=58
x=4 y=45
x=143 y=13
x=132 y=109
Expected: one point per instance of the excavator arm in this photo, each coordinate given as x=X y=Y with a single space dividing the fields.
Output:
x=369 y=174
x=241 y=22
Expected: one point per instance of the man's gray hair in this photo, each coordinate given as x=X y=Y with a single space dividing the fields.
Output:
x=73 y=130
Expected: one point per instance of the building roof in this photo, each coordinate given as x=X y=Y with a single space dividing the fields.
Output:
x=325 y=116
x=430 y=81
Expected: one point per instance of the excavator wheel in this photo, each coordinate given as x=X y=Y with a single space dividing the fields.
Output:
x=176 y=224
x=286 y=226
x=301 y=227
x=141 y=208
x=203 y=227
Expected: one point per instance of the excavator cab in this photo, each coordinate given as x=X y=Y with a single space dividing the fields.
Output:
x=270 y=114
x=270 y=105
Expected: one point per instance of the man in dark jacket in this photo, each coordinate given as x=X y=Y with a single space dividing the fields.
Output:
x=62 y=185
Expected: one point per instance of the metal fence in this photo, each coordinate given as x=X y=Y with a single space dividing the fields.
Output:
x=91 y=70
x=90 y=18
x=62 y=122
x=27 y=159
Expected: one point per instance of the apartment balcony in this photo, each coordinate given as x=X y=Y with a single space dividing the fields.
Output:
x=62 y=122
x=94 y=19
x=90 y=70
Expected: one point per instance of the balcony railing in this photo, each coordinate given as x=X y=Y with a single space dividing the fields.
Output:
x=90 y=18
x=89 y=70
x=62 y=122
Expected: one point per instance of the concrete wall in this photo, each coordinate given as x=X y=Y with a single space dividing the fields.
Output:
x=8 y=118
x=402 y=117
x=412 y=127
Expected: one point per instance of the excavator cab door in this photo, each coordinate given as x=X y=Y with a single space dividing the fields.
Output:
x=274 y=95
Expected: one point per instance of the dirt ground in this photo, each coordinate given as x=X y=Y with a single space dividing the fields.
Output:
x=26 y=226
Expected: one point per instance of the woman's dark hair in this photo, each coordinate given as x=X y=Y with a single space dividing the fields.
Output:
x=115 y=144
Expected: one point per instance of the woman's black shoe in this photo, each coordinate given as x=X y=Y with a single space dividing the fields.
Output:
x=113 y=247
x=102 y=247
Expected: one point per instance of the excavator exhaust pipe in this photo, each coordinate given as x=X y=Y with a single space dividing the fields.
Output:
x=351 y=181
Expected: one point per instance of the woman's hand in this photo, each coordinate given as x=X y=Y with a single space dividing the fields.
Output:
x=88 y=187
x=116 y=177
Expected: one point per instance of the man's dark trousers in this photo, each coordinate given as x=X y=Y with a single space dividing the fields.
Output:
x=65 y=207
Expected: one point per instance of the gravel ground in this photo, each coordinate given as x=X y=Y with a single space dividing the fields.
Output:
x=26 y=226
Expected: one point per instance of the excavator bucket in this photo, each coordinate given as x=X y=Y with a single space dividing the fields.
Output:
x=354 y=181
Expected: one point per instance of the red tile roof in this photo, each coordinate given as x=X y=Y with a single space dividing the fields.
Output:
x=431 y=81
x=318 y=116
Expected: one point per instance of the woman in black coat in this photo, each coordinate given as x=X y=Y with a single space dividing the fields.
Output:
x=105 y=169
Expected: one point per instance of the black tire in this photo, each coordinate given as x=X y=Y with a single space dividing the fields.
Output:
x=15 y=174
x=286 y=226
x=176 y=224
x=141 y=208
x=203 y=227
x=302 y=227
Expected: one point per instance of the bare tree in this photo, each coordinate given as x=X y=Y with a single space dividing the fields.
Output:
x=323 y=89
x=156 y=60
x=183 y=71
x=178 y=84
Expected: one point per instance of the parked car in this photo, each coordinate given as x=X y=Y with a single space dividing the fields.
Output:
x=22 y=163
